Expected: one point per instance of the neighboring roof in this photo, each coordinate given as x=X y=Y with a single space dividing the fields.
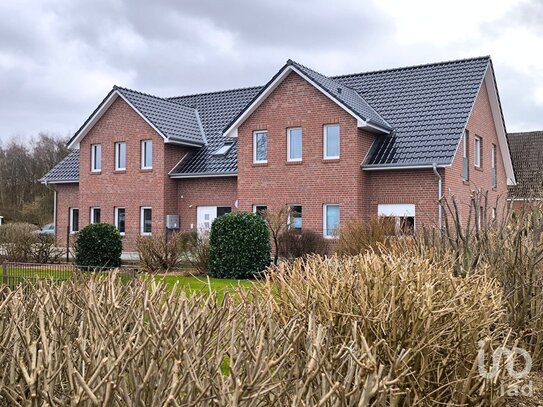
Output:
x=428 y=106
x=527 y=155
x=66 y=171
x=421 y=112
x=174 y=122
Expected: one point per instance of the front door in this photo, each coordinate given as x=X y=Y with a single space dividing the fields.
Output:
x=205 y=216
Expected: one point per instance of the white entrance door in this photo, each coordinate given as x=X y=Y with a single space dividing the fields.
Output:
x=205 y=215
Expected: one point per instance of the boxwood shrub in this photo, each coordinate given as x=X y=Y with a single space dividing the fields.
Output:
x=239 y=246
x=98 y=245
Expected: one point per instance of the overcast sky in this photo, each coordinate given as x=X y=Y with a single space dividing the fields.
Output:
x=59 y=58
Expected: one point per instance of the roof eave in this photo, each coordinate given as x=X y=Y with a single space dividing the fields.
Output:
x=205 y=175
x=379 y=167
x=66 y=181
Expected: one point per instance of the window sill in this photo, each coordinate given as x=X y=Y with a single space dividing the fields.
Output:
x=119 y=172
x=478 y=169
x=294 y=162
x=330 y=160
x=95 y=172
x=146 y=234
x=146 y=170
x=260 y=164
x=465 y=182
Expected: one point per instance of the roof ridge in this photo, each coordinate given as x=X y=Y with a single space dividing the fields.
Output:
x=115 y=87
x=402 y=68
x=213 y=92
x=526 y=133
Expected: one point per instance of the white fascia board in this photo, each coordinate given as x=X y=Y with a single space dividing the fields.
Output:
x=72 y=181
x=492 y=91
x=107 y=104
x=232 y=131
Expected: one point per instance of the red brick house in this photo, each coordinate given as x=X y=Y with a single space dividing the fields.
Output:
x=335 y=149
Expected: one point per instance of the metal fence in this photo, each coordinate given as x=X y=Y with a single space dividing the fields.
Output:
x=14 y=274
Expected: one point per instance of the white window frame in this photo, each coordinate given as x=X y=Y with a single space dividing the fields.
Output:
x=118 y=156
x=142 y=221
x=255 y=135
x=494 y=171
x=255 y=206
x=92 y=219
x=72 y=231
x=143 y=150
x=325 y=144
x=94 y=161
x=325 y=224
x=117 y=219
x=290 y=206
x=477 y=153
x=465 y=157
x=289 y=158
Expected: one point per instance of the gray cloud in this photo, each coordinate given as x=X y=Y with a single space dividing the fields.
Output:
x=58 y=58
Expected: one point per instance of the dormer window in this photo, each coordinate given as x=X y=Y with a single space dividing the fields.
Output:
x=224 y=149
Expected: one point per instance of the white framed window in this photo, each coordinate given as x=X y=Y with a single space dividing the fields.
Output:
x=494 y=170
x=294 y=144
x=120 y=156
x=401 y=217
x=146 y=154
x=330 y=222
x=95 y=215
x=96 y=157
x=260 y=147
x=295 y=217
x=120 y=220
x=477 y=143
x=146 y=221
x=74 y=220
x=465 y=156
x=331 y=141
x=259 y=209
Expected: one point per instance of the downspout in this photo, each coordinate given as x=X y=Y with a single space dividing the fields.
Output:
x=439 y=193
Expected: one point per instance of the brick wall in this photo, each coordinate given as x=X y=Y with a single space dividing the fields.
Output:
x=133 y=188
x=194 y=192
x=67 y=197
x=313 y=181
x=481 y=124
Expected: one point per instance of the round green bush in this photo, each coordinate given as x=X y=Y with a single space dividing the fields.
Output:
x=239 y=246
x=98 y=245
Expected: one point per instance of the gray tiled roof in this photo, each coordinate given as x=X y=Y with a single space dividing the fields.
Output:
x=428 y=106
x=216 y=110
x=175 y=121
x=65 y=171
x=345 y=95
x=527 y=156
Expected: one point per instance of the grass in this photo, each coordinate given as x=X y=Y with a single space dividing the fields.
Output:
x=192 y=285
x=195 y=285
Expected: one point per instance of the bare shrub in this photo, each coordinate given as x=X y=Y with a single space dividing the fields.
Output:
x=325 y=338
x=277 y=222
x=44 y=249
x=508 y=247
x=16 y=240
x=159 y=253
x=422 y=323
x=194 y=248
x=358 y=236
x=295 y=243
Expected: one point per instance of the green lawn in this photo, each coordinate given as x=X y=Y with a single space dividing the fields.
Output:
x=204 y=284
x=190 y=284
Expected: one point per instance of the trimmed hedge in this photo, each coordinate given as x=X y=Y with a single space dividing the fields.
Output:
x=98 y=245
x=239 y=246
